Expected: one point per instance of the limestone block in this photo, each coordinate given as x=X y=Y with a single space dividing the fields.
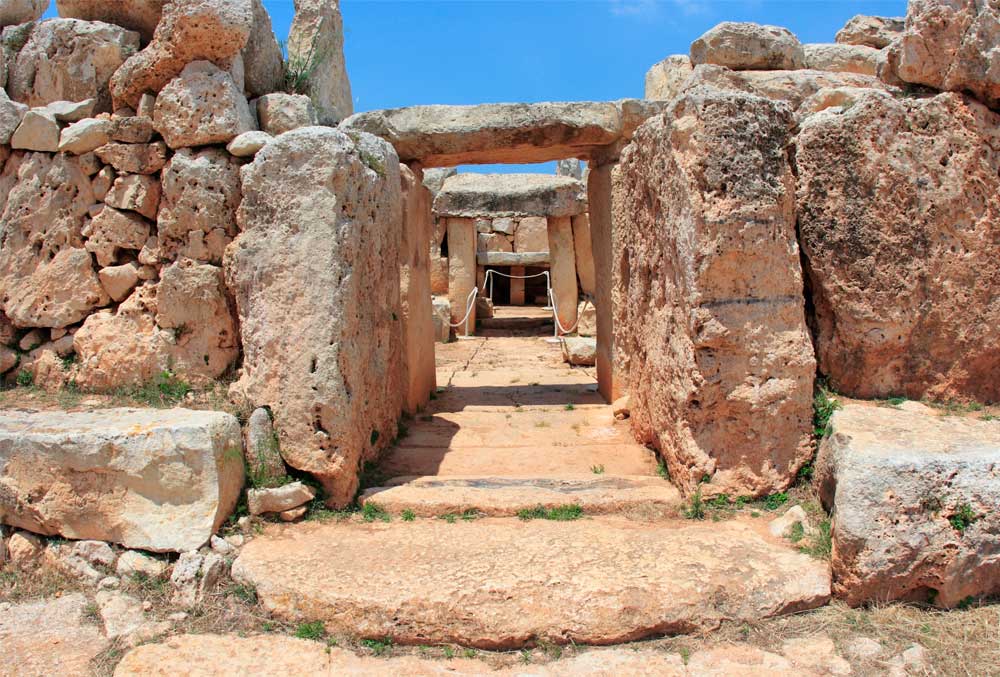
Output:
x=201 y=106
x=563 y=271
x=194 y=576
x=504 y=224
x=493 y=242
x=13 y=12
x=570 y=167
x=140 y=16
x=47 y=277
x=279 y=113
x=579 y=352
x=462 y=273
x=135 y=192
x=442 y=316
x=317 y=37
x=32 y=629
x=532 y=235
x=69 y=60
x=160 y=480
x=587 y=314
x=196 y=30
x=102 y=183
x=880 y=463
x=112 y=230
x=664 y=79
x=583 y=247
x=248 y=143
x=11 y=114
x=119 y=281
x=279 y=499
x=887 y=180
x=8 y=359
x=415 y=287
x=38 y=131
x=435 y=177
x=132 y=129
x=492 y=195
x=134 y=158
x=439 y=274
x=201 y=191
x=131 y=563
x=319 y=205
x=84 y=136
x=263 y=454
x=840 y=58
x=870 y=31
x=748 y=46
x=953 y=45
x=708 y=314
x=263 y=62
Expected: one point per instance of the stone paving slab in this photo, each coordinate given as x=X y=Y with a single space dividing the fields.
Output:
x=48 y=637
x=504 y=583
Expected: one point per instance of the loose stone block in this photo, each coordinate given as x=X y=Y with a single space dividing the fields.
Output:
x=160 y=480
x=708 y=314
x=914 y=497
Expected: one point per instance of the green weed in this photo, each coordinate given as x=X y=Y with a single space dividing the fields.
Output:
x=560 y=513
x=695 y=510
x=313 y=630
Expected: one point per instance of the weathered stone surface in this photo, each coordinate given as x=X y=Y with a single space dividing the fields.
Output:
x=471 y=195
x=135 y=192
x=49 y=637
x=38 y=131
x=140 y=16
x=195 y=575
x=158 y=480
x=870 y=31
x=583 y=247
x=664 y=79
x=565 y=293
x=317 y=36
x=275 y=654
x=318 y=205
x=112 y=230
x=441 y=318
x=131 y=563
x=279 y=113
x=503 y=132
x=516 y=582
x=201 y=106
x=570 y=167
x=134 y=158
x=183 y=324
x=792 y=87
x=201 y=191
x=248 y=143
x=953 y=45
x=119 y=281
x=13 y=12
x=914 y=498
x=132 y=129
x=532 y=235
x=708 y=314
x=748 y=46
x=279 y=499
x=493 y=242
x=415 y=287
x=46 y=276
x=72 y=111
x=263 y=62
x=462 y=260
x=69 y=60
x=262 y=450
x=896 y=203
x=587 y=323
x=435 y=177
x=580 y=352
x=85 y=136
x=8 y=359
x=209 y=30
x=11 y=113
x=842 y=58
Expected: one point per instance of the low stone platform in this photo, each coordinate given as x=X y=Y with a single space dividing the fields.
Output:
x=506 y=496
x=505 y=583
x=443 y=136
x=261 y=655
x=914 y=495
x=155 y=479
x=48 y=637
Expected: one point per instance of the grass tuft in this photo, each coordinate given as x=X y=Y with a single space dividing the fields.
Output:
x=560 y=513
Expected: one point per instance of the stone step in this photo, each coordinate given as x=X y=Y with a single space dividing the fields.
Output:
x=506 y=496
x=501 y=583
x=532 y=460
x=515 y=322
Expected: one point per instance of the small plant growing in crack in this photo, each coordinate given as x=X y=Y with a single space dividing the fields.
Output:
x=963 y=518
x=597 y=469
x=408 y=515
x=371 y=512
x=313 y=630
x=695 y=509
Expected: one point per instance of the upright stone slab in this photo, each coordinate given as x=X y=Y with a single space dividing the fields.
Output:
x=600 y=200
x=583 y=247
x=316 y=48
x=462 y=273
x=897 y=210
x=415 y=285
x=708 y=294
x=563 y=271
x=154 y=479
x=315 y=275
x=914 y=495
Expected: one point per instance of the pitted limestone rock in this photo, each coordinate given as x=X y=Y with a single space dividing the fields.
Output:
x=495 y=195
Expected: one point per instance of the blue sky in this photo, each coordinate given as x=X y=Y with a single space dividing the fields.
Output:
x=480 y=51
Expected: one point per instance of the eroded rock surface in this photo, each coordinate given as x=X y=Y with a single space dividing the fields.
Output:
x=14 y=12
x=709 y=317
x=897 y=202
x=914 y=498
x=140 y=16
x=317 y=205
x=870 y=31
x=497 y=195
x=748 y=46
x=316 y=41
x=201 y=106
x=49 y=637
x=518 y=583
x=160 y=480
